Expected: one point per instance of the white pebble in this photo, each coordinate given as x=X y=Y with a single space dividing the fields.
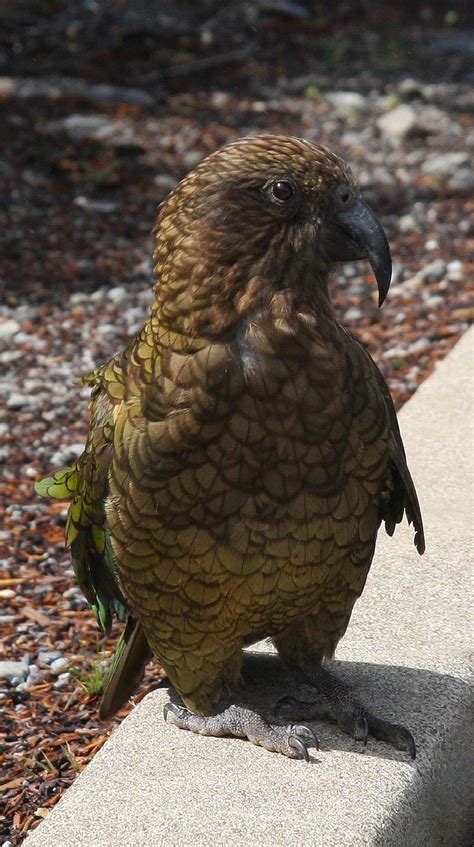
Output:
x=8 y=329
x=7 y=594
x=58 y=664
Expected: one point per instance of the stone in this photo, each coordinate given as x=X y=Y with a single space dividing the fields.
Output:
x=349 y=104
x=433 y=272
x=7 y=594
x=11 y=670
x=445 y=165
x=462 y=179
x=8 y=329
x=102 y=206
x=352 y=314
x=407 y=223
x=399 y=123
x=58 y=665
x=117 y=294
x=96 y=128
x=17 y=401
x=48 y=656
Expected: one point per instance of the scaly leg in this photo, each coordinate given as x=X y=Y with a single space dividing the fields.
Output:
x=339 y=703
x=241 y=722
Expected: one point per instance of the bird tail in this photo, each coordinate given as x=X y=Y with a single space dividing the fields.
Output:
x=127 y=669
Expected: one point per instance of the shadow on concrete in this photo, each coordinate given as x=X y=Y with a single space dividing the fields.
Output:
x=414 y=697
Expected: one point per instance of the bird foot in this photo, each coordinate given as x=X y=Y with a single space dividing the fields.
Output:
x=238 y=721
x=337 y=702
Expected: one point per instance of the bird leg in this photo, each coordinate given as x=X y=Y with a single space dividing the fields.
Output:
x=337 y=702
x=241 y=722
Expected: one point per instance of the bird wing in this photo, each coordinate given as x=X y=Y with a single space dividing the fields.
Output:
x=86 y=484
x=403 y=498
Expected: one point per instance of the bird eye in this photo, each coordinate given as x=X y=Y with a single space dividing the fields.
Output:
x=282 y=190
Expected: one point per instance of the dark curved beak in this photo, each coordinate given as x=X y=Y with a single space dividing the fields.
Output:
x=358 y=235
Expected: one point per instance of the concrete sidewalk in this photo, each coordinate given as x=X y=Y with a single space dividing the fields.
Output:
x=406 y=652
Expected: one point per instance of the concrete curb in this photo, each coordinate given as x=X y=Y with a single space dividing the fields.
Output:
x=406 y=651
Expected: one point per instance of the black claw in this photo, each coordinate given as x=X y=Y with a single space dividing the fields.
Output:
x=361 y=730
x=305 y=733
x=411 y=745
x=298 y=745
x=171 y=707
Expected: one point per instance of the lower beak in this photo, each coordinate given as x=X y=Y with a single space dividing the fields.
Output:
x=359 y=235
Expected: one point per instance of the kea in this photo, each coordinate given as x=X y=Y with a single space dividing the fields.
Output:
x=243 y=449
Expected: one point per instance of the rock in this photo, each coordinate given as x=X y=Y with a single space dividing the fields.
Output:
x=420 y=346
x=8 y=329
x=400 y=123
x=462 y=180
x=55 y=87
x=349 y=104
x=96 y=128
x=75 y=591
x=433 y=272
x=58 y=665
x=66 y=454
x=48 y=656
x=165 y=181
x=94 y=205
x=17 y=401
x=435 y=300
x=407 y=223
x=446 y=165
x=13 y=670
x=7 y=594
x=395 y=353
x=76 y=449
x=353 y=314
x=62 y=680
x=9 y=356
x=409 y=88
x=103 y=93
x=117 y=295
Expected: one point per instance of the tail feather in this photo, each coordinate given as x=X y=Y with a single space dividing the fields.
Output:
x=127 y=669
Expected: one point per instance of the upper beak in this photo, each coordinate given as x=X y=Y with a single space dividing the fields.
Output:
x=359 y=235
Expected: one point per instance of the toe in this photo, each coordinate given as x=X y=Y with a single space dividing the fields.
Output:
x=173 y=713
x=305 y=734
x=403 y=740
x=300 y=749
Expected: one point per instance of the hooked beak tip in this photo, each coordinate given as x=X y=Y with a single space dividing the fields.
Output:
x=366 y=235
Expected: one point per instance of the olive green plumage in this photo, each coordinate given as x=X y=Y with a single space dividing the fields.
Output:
x=244 y=448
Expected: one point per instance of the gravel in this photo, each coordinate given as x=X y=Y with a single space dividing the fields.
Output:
x=14 y=672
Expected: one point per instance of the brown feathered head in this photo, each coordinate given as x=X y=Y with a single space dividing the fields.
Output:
x=264 y=215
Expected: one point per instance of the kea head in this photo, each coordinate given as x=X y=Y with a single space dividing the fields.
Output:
x=264 y=218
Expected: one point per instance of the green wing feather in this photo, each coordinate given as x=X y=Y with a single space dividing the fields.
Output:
x=91 y=551
x=127 y=668
x=85 y=484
